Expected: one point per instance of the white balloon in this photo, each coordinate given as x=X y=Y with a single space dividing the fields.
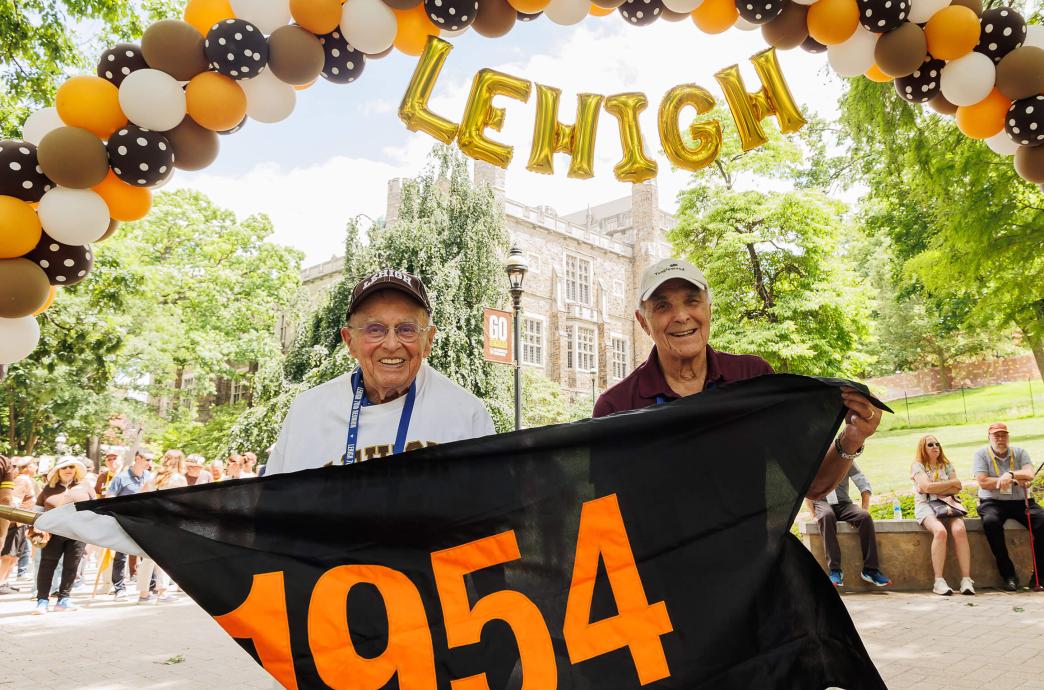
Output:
x=682 y=6
x=805 y=2
x=969 y=79
x=567 y=12
x=1035 y=36
x=922 y=10
x=856 y=55
x=40 y=124
x=73 y=216
x=268 y=99
x=18 y=337
x=152 y=99
x=743 y=25
x=1001 y=143
x=267 y=15
x=368 y=25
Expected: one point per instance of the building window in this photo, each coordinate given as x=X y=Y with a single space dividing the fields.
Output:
x=570 y=347
x=619 y=355
x=238 y=391
x=578 y=279
x=533 y=341
x=585 y=349
x=618 y=288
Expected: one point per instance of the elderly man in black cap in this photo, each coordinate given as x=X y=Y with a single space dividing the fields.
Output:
x=393 y=401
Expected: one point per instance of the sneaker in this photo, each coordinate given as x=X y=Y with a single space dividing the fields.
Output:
x=6 y=588
x=163 y=598
x=65 y=604
x=941 y=587
x=875 y=577
x=967 y=586
x=119 y=596
x=1011 y=584
x=41 y=607
x=838 y=578
x=146 y=600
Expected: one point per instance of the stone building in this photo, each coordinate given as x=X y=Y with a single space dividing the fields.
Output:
x=585 y=267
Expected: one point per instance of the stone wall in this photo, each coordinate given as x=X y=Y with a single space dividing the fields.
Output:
x=985 y=372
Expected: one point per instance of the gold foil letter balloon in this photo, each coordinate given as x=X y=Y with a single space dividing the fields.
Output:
x=551 y=136
x=748 y=110
x=635 y=166
x=414 y=107
x=706 y=135
x=480 y=113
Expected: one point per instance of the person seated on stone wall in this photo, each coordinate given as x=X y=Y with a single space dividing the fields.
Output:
x=936 y=509
x=837 y=505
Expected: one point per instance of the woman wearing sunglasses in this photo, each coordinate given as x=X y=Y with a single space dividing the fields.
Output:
x=936 y=509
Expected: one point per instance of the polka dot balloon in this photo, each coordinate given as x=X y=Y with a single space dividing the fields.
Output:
x=140 y=157
x=64 y=264
x=759 y=11
x=343 y=63
x=1025 y=121
x=924 y=84
x=523 y=17
x=236 y=48
x=236 y=128
x=811 y=45
x=882 y=16
x=118 y=62
x=20 y=173
x=641 y=12
x=452 y=15
x=1002 y=31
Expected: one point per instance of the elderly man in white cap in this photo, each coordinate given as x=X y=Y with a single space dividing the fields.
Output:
x=674 y=309
x=393 y=401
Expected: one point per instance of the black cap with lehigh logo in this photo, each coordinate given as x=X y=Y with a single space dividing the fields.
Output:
x=390 y=279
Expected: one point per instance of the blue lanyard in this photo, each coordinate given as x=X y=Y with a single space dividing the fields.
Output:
x=358 y=401
x=660 y=399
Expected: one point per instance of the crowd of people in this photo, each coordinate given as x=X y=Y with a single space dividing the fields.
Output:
x=50 y=566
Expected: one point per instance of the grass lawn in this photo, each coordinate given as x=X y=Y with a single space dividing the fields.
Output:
x=1005 y=401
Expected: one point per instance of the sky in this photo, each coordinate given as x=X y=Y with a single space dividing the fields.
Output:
x=331 y=159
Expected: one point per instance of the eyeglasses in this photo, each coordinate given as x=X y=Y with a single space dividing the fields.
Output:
x=933 y=444
x=406 y=332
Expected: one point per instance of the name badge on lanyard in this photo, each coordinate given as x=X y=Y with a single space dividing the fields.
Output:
x=359 y=400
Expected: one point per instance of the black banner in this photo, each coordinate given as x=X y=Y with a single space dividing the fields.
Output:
x=650 y=549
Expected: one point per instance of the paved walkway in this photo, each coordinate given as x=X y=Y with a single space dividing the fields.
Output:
x=993 y=640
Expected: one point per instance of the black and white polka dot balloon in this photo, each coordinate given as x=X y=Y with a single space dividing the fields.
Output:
x=759 y=11
x=64 y=264
x=242 y=123
x=523 y=17
x=1025 y=121
x=451 y=15
x=1002 y=31
x=643 y=12
x=924 y=84
x=140 y=157
x=20 y=173
x=118 y=62
x=343 y=63
x=882 y=16
x=811 y=45
x=236 y=48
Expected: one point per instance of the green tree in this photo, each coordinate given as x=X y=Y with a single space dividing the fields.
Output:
x=544 y=402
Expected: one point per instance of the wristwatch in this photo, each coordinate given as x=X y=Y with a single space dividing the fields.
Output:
x=842 y=453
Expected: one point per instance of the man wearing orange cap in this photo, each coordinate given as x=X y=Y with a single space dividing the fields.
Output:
x=1004 y=474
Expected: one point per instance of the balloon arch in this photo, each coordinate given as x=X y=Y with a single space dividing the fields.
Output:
x=88 y=163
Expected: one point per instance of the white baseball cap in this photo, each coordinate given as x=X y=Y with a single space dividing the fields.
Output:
x=669 y=269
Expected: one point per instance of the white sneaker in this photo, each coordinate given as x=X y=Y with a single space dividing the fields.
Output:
x=967 y=586
x=941 y=587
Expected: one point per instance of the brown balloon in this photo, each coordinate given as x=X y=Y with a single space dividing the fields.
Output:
x=113 y=226
x=174 y=47
x=73 y=157
x=402 y=4
x=1029 y=163
x=1020 y=74
x=900 y=52
x=942 y=106
x=295 y=56
x=672 y=16
x=973 y=5
x=195 y=147
x=377 y=56
x=609 y=4
x=494 y=18
x=789 y=29
x=24 y=288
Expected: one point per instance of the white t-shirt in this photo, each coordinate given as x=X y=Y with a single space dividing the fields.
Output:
x=316 y=427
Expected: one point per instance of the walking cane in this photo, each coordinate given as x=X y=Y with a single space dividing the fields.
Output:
x=1029 y=526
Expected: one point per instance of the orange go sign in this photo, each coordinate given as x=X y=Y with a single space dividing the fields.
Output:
x=410 y=653
x=497 y=337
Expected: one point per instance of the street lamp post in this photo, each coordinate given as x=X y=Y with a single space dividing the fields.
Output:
x=516 y=268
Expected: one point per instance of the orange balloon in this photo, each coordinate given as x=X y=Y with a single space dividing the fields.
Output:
x=318 y=16
x=833 y=21
x=90 y=103
x=715 y=16
x=204 y=14
x=985 y=118
x=875 y=74
x=125 y=202
x=414 y=29
x=302 y=87
x=597 y=11
x=20 y=229
x=952 y=32
x=215 y=101
x=50 y=298
x=530 y=6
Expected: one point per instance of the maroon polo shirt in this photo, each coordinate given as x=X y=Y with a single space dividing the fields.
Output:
x=646 y=382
